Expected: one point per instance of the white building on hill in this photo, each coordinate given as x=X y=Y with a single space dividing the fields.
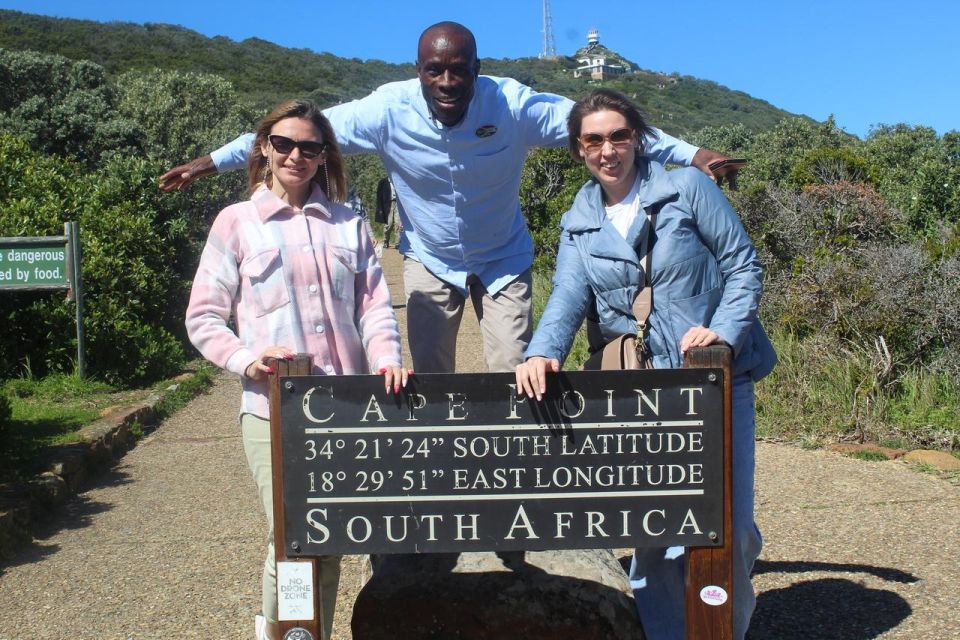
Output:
x=596 y=60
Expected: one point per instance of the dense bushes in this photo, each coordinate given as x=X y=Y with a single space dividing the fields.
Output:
x=62 y=106
x=131 y=242
x=548 y=184
x=181 y=115
x=860 y=245
x=139 y=245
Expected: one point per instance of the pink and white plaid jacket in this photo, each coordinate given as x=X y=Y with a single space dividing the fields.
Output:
x=305 y=280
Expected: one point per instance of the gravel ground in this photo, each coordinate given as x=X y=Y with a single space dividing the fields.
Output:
x=169 y=544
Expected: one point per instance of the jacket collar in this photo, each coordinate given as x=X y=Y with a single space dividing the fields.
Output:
x=587 y=212
x=268 y=204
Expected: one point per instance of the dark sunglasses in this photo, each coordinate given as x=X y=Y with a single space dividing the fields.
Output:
x=618 y=138
x=308 y=148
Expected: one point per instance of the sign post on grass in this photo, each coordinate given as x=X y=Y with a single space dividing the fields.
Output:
x=47 y=263
x=459 y=463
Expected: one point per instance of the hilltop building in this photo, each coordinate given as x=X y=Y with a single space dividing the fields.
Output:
x=597 y=62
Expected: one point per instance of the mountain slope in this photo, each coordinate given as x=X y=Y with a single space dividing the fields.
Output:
x=264 y=73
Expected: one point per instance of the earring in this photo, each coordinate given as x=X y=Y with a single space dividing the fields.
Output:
x=266 y=170
x=326 y=179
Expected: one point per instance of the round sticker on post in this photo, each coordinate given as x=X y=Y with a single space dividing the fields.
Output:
x=298 y=633
x=713 y=595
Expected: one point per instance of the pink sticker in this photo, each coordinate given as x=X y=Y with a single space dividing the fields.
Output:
x=714 y=596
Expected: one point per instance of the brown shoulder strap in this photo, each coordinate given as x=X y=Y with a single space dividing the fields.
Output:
x=643 y=303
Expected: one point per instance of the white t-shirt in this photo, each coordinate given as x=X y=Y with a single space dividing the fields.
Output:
x=622 y=214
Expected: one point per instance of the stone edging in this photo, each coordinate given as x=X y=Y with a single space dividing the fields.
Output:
x=70 y=465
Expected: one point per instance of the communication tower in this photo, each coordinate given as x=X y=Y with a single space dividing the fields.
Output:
x=549 y=50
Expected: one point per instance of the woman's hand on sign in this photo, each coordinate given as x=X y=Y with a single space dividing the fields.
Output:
x=532 y=376
x=258 y=369
x=698 y=337
x=395 y=378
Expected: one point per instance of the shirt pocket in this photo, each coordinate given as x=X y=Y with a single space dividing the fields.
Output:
x=268 y=287
x=344 y=268
x=488 y=171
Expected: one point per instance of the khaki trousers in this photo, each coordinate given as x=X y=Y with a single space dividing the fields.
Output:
x=256 y=444
x=434 y=311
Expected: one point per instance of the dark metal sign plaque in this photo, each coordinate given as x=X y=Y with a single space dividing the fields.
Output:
x=456 y=462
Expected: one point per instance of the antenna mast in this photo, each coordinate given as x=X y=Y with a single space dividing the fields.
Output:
x=549 y=50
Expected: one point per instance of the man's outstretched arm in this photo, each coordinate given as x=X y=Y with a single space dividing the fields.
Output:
x=664 y=148
x=229 y=157
x=179 y=177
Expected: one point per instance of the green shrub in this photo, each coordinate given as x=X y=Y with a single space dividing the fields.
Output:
x=918 y=171
x=62 y=106
x=140 y=248
x=182 y=115
x=926 y=409
x=827 y=389
x=868 y=456
x=826 y=165
x=549 y=182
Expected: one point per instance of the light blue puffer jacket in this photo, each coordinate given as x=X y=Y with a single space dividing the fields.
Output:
x=705 y=271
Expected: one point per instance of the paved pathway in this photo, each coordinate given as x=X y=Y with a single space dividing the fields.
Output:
x=168 y=545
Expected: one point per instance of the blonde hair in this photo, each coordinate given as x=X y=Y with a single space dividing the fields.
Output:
x=330 y=175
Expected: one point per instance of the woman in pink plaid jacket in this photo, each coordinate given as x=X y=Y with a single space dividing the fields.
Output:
x=297 y=271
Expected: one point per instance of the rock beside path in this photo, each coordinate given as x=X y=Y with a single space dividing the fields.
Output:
x=581 y=594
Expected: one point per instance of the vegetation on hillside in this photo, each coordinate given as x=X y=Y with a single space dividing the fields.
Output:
x=264 y=73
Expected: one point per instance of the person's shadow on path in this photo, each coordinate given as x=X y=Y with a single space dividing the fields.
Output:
x=827 y=608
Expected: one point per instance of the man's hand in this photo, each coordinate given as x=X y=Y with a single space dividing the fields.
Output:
x=705 y=158
x=178 y=178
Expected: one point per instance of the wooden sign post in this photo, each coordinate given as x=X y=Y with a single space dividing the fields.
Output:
x=310 y=601
x=459 y=463
x=709 y=613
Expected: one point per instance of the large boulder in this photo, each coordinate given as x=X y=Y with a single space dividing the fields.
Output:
x=478 y=596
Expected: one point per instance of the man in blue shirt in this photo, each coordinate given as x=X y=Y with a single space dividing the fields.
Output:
x=454 y=143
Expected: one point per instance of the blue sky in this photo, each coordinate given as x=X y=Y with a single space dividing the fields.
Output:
x=865 y=61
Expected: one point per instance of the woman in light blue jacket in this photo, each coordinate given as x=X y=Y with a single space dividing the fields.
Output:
x=706 y=281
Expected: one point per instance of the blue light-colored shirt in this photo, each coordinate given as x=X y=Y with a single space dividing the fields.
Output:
x=459 y=186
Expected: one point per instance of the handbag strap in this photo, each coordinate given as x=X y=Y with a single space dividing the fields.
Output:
x=643 y=303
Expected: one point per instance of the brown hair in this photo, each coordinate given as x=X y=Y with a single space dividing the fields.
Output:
x=605 y=100
x=332 y=170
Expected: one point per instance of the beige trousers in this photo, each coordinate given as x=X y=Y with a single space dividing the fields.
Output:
x=434 y=311
x=256 y=444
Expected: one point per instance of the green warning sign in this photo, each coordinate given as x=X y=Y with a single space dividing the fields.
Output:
x=34 y=265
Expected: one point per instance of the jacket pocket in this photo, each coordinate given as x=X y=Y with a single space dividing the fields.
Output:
x=691 y=312
x=343 y=271
x=268 y=287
